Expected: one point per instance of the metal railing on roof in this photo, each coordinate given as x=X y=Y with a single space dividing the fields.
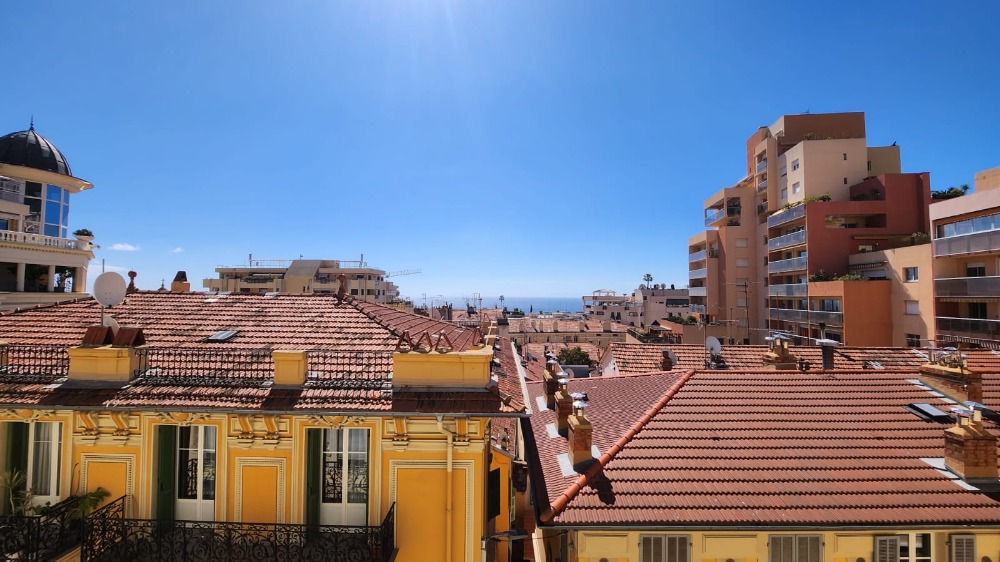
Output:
x=29 y=360
x=179 y=366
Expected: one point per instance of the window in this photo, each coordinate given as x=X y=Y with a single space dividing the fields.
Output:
x=977 y=310
x=196 y=463
x=845 y=181
x=784 y=171
x=784 y=193
x=796 y=187
x=337 y=476
x=742 y=262
x=963 y=548
x=795 y=548
x=664 y=548
x=795 y=164
x=911 y=274
x=912 y=307
x=34 y=449
x=975 y=269
x=869 y=165
x=912 y=340
x=845 y=157
x=912 y=547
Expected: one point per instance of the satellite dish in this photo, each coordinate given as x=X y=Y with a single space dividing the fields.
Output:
x=713 y=345
x=109 y=289
x=110 y=323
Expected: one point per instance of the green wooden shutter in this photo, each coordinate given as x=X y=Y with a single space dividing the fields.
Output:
x=314 y=461
x=16 y=458
x=166 y=471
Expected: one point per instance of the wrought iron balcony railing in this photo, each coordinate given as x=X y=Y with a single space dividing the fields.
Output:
x=41 y=537
x=109 y=535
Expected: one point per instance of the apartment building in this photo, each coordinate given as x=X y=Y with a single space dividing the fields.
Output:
x=814 y=193
x=39 y=261
x=305 y=276
x=966 y=248
x=644 y=306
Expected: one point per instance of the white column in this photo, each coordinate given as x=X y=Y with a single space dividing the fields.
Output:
x=80 y=280
x=20 y=277
x=51 y=283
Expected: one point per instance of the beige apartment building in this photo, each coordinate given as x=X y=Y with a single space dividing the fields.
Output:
x=647 y=304
x=966 y=249
x=814 y=194
x=305 y=276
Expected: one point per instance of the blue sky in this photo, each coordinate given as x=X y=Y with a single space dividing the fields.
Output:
x=519 y=147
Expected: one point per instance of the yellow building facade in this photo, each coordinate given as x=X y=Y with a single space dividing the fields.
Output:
x=371 y=455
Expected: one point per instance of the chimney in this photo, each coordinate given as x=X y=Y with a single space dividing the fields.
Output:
x=666 y=363
x=564 y=406
x=970 y=451
x=551 y=383
x=180 y=283
x=778 y=357
x=947 y=372
x=580 y=433
x=341 y=287
x=826 y=348
x=107 y=356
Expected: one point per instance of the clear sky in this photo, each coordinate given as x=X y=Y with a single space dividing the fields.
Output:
x=529 y=148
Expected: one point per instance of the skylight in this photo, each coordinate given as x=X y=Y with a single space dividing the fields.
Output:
x=222 y=336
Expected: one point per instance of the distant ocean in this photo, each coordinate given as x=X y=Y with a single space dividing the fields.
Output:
x=527 y=304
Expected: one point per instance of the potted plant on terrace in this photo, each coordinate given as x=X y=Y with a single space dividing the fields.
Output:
x=84 y=237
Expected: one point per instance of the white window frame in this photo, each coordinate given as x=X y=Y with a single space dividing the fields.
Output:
x=52 y=452
x=888 y=547
x=664 y=548
x=912 y=307
x=796 y=187
x=795 y=164
x=916 y=274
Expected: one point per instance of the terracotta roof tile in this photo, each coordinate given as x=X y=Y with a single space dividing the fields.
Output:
x=788 y=449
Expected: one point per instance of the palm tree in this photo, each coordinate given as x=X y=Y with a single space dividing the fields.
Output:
x=648 y=278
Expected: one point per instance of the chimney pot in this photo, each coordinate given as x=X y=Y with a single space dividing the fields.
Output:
x=580 y=432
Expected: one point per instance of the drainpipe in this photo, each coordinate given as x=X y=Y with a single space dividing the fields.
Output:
x=449 y=495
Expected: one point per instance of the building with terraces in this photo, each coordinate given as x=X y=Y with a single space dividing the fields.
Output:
x=39 y=260
x=305 y=276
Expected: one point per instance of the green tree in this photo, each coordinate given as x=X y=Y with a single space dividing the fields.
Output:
x=574 y=356
x=648 y=278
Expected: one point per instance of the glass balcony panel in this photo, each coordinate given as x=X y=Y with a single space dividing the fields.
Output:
x=789 y=290
x=782 y=266
x=698 y=273
x=787 y=315
x=969 y=243
x=761 y=166
x=697 y=291
x=697 y=308
x=828 y=318
x=969 y=327
x=787 y=241
x=697 y=256
x=761 y=186
x=786 y=216
x=967 y=287
x=713 y=216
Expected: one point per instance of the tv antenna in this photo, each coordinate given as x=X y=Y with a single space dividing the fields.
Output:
x=109 y=290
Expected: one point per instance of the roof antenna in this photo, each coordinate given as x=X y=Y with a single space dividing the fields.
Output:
x=32 y=126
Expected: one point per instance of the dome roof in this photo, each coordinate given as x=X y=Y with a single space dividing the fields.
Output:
x=31 y=150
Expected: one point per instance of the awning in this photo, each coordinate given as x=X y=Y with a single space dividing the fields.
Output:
x=987 y=344
x=866 y=266
x=990 y=298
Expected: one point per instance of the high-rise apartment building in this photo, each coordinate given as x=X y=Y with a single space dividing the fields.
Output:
x=966 y=246
x=775 y=256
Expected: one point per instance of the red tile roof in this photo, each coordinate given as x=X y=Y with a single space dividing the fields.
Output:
x=534 y=355
x=788 y=449
x=350 y=348
x=538 y=325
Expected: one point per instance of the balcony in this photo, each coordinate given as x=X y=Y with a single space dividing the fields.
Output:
x=968 y=327
x=697 y=291
x=109 y=535
x=703 y=254
x=788 y=315
x=41 y=537
x=967 y=287
x=977 y=242
x=793 y=264
x=761 y=186
x=761 y=166
x=698 y=273
x=833 y=319
x=697 y=309
x=789 y=290
x=43 y=241
x=787 y=241
x=713 y=216
x=786 y=216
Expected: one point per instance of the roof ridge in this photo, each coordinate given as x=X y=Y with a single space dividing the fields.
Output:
x=581 y=482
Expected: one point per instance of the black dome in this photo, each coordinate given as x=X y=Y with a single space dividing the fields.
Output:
x=31 y=150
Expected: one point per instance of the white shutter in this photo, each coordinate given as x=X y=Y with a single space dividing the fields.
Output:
x=886 y=549
x=963 y=548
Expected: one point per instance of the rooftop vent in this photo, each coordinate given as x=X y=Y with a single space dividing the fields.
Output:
x=222 y=336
